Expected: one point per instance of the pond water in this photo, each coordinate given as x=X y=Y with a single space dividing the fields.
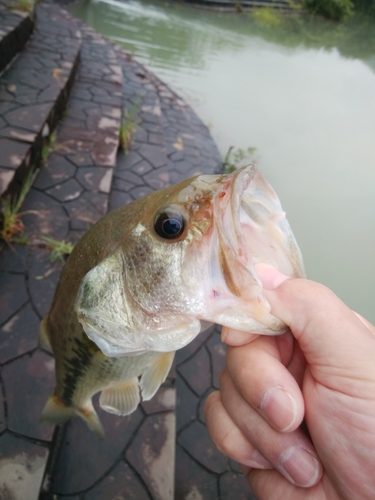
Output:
x=301 y=91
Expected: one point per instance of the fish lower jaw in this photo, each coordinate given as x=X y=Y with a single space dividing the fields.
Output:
x=246 y=320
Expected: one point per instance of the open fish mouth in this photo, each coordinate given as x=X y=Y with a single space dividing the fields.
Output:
x=250 y=228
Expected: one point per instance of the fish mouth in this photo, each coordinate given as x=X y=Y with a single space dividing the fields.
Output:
x=246 y=214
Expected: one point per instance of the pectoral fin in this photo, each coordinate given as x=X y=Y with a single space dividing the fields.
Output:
x=121 y=399
x=155 y=374
x=44 y=336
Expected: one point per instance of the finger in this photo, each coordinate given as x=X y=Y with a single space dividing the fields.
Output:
x=266 y=384
x=292 y=454
x=227 y=436
x=328 y=332
x=235 y=337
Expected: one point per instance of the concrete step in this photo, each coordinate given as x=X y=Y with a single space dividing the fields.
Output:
x=15 y=29
x=81 y=179
x=33 y=93
x=69 y=194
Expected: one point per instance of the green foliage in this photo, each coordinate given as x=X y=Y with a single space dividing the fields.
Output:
x=365 y=6
x=267 y=16
x=236 y=158
x=10 y=211
x=129 y=126
x=24 y=5
x=331 y=9
x=58 y=249
x=49 y=147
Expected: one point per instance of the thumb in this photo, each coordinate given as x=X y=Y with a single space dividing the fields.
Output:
x=330 y=335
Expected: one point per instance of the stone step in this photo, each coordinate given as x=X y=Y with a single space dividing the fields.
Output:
x=33 y=93
x=15 y=29
x=69 y=194
x=82 y=178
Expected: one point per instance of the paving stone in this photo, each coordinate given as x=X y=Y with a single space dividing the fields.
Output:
x=48 y=177
x=15 y=29
x=194 y=481
x=126 y=175
x=196 y=372
x=42 y=280
x=121 y=483
x=13 y=295
x=186 y=405
x=44 y=215
x=19 y=334
x=66 y=191
x=13 y=158
x=159 y=179
x=234 y=485
x=86 y=210
x=164 y=400
x=118 y=199
x=2 y=410
x=13 y=258
x=141 y=168
x=152 y=452
x=195 y=439
x=22 y=465
x=98 y=179
x=84 y=459
x=29 y=379
x=33 y=94
x=139 y=192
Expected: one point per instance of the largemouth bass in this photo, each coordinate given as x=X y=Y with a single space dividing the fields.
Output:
x=149 y=276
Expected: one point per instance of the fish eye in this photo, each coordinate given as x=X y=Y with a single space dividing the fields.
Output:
x=169 y=224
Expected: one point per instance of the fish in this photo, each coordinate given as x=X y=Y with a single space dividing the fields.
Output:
x=148 y=277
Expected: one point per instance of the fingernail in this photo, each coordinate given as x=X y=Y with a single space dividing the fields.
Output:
x=280 y=408
x=300 y=466
x=270 y=277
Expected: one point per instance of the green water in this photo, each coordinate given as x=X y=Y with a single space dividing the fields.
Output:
x=302 y=92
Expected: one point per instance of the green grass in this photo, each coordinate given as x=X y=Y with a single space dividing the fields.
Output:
x=12 y=224
x=129 y=126
x=236 y=158
x=48 y=148
x=59 y=250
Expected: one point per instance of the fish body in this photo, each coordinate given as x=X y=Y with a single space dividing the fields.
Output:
x=149 y=276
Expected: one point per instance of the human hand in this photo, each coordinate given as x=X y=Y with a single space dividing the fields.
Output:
x=323 y=371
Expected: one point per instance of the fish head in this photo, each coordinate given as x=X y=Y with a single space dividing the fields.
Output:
x=189 y=261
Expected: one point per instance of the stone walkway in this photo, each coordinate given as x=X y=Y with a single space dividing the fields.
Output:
x=83 y=177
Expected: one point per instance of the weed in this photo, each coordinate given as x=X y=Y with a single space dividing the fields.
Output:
x=49 y=147
x=238 y=158
x=59 y=250
x=11 y=216
x=129 y=126
x=24 y=5
x=22 y=239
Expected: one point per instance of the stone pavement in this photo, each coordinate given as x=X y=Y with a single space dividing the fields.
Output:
x=83 y=177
